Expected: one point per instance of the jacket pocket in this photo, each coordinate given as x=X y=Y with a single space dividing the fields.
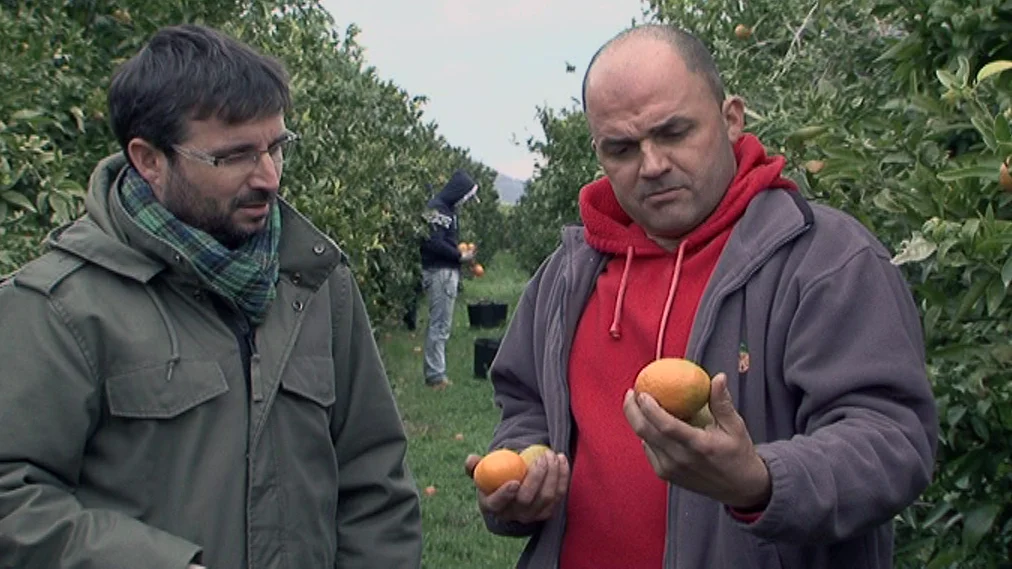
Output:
x=312 y=378
x=148 y=393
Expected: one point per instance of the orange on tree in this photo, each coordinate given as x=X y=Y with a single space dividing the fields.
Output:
x=1004 y=176
x=497 y=468
x=742 y=32
x=679 y=386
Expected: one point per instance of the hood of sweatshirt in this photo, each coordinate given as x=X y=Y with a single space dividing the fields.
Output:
x=609 y=229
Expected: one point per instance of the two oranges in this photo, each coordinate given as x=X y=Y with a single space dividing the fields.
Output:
x=501 y=466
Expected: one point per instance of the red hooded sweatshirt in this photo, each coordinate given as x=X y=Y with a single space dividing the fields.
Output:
x=641 y=309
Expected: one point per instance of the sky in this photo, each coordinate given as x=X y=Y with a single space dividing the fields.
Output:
x=486 y=65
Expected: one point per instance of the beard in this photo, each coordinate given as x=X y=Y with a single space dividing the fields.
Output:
x=189 y=204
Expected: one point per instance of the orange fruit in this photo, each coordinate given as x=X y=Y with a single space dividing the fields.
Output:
x=680 y=386
x=742 y=32
x=1004 y=177
x=532 y=453
x=497 y=468
x=430 y=490
x=814 y=166
x=478 y=270
x=462 y=247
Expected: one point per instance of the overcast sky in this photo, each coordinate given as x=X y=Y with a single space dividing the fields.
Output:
x=486 y=65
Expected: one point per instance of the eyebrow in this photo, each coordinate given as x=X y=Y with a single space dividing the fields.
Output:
x=237 y=148
x=672 y=123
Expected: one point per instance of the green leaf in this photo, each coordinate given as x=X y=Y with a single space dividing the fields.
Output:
x=971 y=172
x=19 y=200
x=993 y=68
x=25 y=115
x=977 y=523
x=78 y=115
x=948 y=80
x=1006 y=272
x=945 y=559
x=807 y=133
x=1002 y=131
x=970 y=298
x=995 y=296
x=936 y=514
x=954 y=414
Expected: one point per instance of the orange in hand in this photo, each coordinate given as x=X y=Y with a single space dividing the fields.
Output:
x=497 y=468
x=680 y=386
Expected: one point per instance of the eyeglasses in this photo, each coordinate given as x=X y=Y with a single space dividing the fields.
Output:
x=246 y=160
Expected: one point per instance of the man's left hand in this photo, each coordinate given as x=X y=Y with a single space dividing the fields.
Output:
x=719 y=461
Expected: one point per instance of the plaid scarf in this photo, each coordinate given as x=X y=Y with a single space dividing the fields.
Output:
x=246 y=275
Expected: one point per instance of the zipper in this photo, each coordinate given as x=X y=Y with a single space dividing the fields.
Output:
x=255 y=369
x=709 y=323
x=738 y=283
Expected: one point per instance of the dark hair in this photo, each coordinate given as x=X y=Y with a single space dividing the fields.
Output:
x=696 y=56
x=193 y=72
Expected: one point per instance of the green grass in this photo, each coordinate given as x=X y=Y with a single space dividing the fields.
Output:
x=454 y=534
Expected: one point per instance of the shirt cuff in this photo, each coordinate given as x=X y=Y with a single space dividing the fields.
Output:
x=743 y=516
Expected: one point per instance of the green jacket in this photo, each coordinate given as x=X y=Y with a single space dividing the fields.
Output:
x=134 y=434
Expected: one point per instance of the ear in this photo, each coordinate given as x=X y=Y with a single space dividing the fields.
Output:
x=151 y=163
x=733 y=111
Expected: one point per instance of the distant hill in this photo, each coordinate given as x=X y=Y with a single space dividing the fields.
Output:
x=509 y=189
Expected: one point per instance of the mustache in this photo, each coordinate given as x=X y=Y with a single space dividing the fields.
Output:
x=255 y=197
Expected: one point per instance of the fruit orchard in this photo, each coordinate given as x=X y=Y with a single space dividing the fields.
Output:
x=362 y=172
x=898 y=112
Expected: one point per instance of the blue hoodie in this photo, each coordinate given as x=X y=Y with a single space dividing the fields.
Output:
x=440 y=249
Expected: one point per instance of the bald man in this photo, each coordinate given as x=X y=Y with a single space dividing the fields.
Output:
x=695 y=246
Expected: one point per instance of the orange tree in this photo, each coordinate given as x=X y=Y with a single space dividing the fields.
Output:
x=564 y=162
x=360 y=173
x=898 y=112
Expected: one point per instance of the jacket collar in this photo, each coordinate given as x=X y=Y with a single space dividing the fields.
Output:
x=108 y=238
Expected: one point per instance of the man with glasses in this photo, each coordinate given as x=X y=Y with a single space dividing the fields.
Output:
x=189 y=376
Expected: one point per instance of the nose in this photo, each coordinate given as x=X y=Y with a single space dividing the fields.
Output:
x=267 y=175
x=654 y=163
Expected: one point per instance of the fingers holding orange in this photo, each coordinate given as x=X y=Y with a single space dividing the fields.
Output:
x=522 y=487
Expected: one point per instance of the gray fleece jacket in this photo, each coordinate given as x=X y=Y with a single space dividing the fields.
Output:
x=835 y=396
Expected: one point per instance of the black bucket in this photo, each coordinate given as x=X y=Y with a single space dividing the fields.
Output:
x=486 y=314
x=485 y=350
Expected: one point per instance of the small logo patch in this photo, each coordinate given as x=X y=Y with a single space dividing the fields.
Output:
x=743 y=359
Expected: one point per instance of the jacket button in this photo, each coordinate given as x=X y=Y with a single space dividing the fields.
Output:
x=319 y=248
x=296 y=278
x=297 y=305
x=177 y=258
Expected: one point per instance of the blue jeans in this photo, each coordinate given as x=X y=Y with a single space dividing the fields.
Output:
x=441 y=287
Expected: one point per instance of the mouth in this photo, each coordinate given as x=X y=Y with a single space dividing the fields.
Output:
x=256 y=209
x=665 y=194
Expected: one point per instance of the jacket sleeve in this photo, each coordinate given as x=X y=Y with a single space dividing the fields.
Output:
x=514 y=377
x=51 y=402
x=855 y=355
x=441 y=243
x=378 y=513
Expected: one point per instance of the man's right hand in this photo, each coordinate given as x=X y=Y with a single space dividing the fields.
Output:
x=535 y=499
